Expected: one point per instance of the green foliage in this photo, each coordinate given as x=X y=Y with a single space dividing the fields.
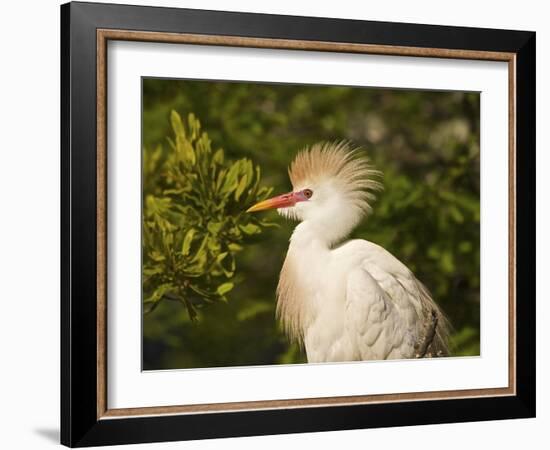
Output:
x=425 y=142
x=193 y=218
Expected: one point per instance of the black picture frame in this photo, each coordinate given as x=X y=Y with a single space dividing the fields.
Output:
x=80 y=425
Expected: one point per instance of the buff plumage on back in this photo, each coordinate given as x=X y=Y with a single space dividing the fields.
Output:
x=340 y=162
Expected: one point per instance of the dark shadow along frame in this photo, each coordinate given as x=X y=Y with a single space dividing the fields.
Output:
x=85 y=418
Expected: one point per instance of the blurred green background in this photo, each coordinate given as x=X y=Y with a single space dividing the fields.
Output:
x=427 y=145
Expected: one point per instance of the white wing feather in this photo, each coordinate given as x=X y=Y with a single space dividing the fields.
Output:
x=380 y=319
x=386 y=306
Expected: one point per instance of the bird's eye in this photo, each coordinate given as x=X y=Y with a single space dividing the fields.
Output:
x=308 y=193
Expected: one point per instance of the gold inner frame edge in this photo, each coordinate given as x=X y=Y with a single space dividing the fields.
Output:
x=103 y=36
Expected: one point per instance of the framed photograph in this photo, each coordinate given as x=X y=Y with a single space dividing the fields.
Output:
x=277 y=224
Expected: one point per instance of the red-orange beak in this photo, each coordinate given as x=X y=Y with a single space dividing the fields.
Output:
x=281 y=201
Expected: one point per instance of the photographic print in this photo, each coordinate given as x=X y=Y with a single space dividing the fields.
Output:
x=280 y=203
x=288 y=223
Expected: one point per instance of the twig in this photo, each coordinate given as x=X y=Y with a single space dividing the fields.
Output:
x=423 y=346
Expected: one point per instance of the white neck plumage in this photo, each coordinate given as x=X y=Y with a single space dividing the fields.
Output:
x=322 y=233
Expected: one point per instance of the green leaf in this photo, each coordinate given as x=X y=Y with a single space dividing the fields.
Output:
x=235 y=247
x=202 y=292
x=221 y=257
x=230 y=182
x=266 y=224
x=194 y=126
x=224 y=288
x=241 y=187
x=218 y=157
x=177 y=124
x=157 y=256
x=248 y=169
x=149 y=271
x=185 y=150
x=250 y=228
x=200 y=255
x=159 y=292
x=214 y=227
x=187 y=241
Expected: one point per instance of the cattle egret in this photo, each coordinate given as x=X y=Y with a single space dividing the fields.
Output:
x=347 y=300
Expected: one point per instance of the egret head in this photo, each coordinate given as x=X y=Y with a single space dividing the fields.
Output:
x=333 y=186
